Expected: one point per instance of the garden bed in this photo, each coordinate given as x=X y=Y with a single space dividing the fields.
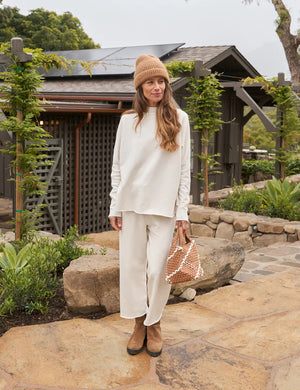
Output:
x=57 y=311
x=31 y=290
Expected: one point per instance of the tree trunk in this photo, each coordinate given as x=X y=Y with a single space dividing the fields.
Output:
x=205 y=154
x=282 y=166
x=19 y=176
x=289 y=41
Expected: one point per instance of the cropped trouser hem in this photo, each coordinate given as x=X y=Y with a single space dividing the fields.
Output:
x=144 y=246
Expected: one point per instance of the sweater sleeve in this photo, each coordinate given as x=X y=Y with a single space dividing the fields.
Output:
x=115 y=174
x=183 y=196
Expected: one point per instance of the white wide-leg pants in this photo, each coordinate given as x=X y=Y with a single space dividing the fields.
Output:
x=144 y=243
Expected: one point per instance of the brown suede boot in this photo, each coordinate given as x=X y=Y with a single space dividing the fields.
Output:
x=154 y=340
x=138 y=337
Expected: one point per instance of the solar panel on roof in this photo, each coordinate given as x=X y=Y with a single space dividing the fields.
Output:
x=86 y=55
x=112 y=61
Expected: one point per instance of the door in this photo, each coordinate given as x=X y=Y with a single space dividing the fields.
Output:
x=52 y=175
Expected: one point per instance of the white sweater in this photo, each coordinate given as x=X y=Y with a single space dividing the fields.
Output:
x=146 y=178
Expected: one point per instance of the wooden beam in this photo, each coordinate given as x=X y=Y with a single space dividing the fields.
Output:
x=247 y=117
x=54 y=96
x=180 y=82
x=62 y=108
x=245 y=97
x=199 y=70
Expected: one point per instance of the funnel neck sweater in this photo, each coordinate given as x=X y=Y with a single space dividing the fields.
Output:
x=145 y=178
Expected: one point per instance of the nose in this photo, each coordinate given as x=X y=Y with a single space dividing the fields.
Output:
x=156 y=85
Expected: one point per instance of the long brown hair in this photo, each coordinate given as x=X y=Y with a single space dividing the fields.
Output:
x=168 y=125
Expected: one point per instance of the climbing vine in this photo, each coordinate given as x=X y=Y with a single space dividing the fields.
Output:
x=21 y=84
x=203 y=107
x=288 y=121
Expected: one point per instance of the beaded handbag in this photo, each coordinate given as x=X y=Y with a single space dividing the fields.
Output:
x=183 y=264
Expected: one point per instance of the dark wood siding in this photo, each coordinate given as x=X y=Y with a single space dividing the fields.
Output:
x=96 y=149
x=6 y=186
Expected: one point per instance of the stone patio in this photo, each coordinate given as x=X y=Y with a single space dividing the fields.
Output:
x=244 y=336
x=239 y=337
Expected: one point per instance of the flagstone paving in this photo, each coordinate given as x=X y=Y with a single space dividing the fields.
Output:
x=239 y=337
x=279 y=257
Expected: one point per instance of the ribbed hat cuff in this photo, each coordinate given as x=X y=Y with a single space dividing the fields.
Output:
x=148 y=73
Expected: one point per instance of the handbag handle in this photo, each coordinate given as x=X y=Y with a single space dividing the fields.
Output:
x=183 y=238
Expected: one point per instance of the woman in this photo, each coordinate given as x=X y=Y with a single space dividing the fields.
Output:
x=149 y=197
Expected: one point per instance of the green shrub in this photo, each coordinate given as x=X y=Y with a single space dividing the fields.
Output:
x=68 y=249
x=293 y=167
x=277 y=200
x=281 y=199
x=36 y=282
x=242 y=200
x=31 y=287
x=251 y=167
x=267 y=167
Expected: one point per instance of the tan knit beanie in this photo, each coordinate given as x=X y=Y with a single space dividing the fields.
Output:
x=148 y=66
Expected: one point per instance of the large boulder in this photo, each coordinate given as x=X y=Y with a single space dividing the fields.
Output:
x=109 y=239
x=220 y=259
x=91 y=283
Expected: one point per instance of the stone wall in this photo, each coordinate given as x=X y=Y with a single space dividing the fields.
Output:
x=249 y=230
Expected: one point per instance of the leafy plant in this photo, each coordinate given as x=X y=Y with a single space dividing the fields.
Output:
x=203 y=107
x=281 y=199
x=68 y=249
x=31 y=287
x=293 y=167
x=278 y=199
x=242 y=200
x=176 y=68
x=36 y=281
x=10 y=260
x=251 y=167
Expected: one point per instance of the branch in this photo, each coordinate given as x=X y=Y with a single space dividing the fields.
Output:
x=284 y=20
x=297 y=40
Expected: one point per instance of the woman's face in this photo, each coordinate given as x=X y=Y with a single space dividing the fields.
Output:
x=153 y=90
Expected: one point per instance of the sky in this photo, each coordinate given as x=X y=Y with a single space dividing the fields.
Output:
x=115 y=23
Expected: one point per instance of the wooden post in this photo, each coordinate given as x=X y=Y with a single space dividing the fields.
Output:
x=280 y=143
x=278 y=165
x=197 y=166
x=19 y=176
x=17 y=50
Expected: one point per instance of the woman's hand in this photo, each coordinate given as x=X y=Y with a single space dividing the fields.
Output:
x=116 y=222
x=185 y=225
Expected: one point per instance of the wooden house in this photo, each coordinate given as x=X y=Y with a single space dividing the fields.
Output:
x=82 y=115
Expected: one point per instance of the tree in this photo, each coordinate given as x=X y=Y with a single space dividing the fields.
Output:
x=21 y=81
x=44 y=29
x=203 y=106
x=290 y=42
